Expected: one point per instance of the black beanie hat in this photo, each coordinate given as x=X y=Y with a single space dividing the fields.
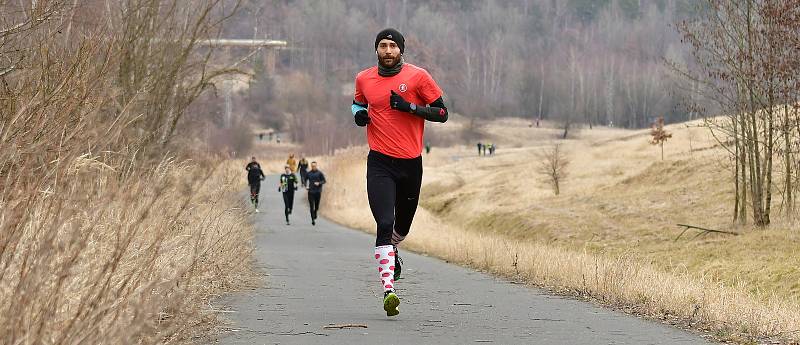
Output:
x=394 y=35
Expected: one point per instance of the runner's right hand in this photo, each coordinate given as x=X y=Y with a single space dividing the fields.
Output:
x=361 y=118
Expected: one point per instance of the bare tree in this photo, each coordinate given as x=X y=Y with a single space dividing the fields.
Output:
x=93 y=198
x=659 y=135
x=553 y=164
x=746 y=57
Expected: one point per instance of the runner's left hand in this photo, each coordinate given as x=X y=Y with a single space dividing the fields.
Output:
x=399 y=103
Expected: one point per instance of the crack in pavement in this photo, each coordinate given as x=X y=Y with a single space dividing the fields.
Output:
x=289 y=333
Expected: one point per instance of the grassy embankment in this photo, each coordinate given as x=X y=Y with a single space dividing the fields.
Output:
x=610 y=235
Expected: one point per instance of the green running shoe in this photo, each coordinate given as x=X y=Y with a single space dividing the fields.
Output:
x=390 y=303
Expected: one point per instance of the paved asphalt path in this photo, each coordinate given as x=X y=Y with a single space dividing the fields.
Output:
x=326 y=274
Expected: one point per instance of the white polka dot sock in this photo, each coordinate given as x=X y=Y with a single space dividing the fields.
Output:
x=385 y=257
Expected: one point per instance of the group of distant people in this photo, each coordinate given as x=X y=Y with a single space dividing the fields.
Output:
x=270 y=134
x=486 y=149
x=312 y=180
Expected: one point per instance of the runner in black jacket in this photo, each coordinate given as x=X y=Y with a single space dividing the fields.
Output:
x=315 y=181
x=254 y=178
x=287 y=185
x=302 y=168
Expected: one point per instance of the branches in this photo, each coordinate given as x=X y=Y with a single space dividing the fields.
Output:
x=704 y=231
x=80 y=171
x=659 y=135
x=746 y=57
x=553 y=164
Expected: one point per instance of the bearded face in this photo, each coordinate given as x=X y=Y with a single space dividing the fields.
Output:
x=388 y=53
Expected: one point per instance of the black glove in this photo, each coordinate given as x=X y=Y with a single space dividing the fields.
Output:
x=361 y=118
x=397 y=102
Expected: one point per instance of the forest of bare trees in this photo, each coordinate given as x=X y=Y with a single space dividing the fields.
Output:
x=746 y=53
x=580 y=62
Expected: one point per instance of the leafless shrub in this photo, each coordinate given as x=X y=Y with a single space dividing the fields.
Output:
x=553 y=164
x=659 y=135
x=105 y=237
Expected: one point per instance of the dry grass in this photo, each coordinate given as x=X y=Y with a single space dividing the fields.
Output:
x=120 y=261
x=106 y=235
x=610 y=235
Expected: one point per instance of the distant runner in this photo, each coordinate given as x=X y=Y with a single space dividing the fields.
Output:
x=302 y=167
x=254 y=178
x=292 y=163
x=315 y=181
x=287 y=185
x=393 y=100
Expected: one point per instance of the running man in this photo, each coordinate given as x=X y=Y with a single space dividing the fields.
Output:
x=287 y=185
x=393 y=100
x=315 y=181
x=302 y=167
x=254 y=178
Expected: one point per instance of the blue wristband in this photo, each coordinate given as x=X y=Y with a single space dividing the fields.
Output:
x=356 y=108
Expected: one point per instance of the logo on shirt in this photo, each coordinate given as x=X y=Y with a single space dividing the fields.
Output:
x=403 y=87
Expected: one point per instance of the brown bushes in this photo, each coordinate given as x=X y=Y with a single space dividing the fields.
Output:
x=105 y=236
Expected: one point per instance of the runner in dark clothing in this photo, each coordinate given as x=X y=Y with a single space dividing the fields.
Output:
x=287 y=185
x=302 y=166
x=393 y=100
x=315 y=181
x=479 y=148
x=254 y=178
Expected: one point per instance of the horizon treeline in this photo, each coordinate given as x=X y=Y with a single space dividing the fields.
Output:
x=579 y=62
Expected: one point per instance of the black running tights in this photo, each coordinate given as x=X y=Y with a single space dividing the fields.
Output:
x=288 y=203
x=313 y=203
x=393 y=190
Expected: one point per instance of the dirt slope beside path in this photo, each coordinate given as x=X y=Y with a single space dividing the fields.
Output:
x=323 y=275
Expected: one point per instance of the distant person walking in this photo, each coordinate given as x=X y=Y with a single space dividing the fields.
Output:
x=393 y=100
x=287 y=185
x=254 y=177
x=480 y=146
x=427 y=148
x=292 y=163
x=302 y=167
x=315 y=181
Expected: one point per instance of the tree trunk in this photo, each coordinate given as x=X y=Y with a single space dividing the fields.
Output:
x=787 y=159
x=736 y=163
x=541 y=91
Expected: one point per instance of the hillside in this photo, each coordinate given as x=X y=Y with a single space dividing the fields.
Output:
x=619 y=198
x=610 y=235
